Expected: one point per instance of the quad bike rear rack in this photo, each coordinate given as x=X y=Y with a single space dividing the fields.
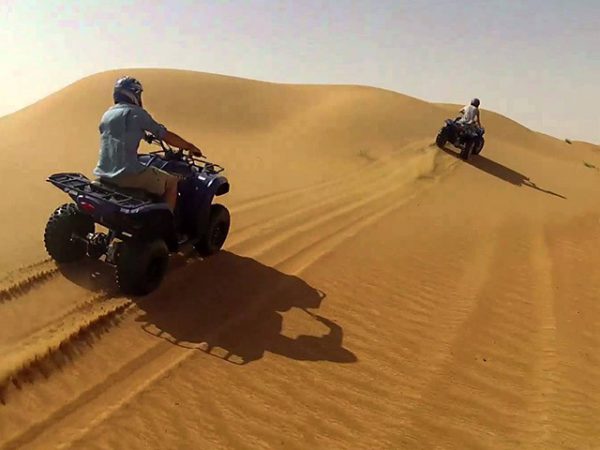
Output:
x=76 y=184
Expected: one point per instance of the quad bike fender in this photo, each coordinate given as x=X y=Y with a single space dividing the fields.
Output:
x=220 y=185
x=210 y=187
x=94 y=207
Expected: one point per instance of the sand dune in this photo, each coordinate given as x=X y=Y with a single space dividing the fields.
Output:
x=375 y=291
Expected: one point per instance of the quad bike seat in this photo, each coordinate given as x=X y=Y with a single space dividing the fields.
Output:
x=137 y=193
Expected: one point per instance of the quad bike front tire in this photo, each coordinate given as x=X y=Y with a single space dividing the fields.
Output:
x=479 y=146
x=65 y=233
x=467 y=150
x=141 y=265
x=213 y=238
x=441 y=139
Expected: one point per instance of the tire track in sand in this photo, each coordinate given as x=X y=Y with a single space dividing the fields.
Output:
x=131 y=385
x=23 y=279
x=26 y=348
x=575 y=269
x=504 y=361
x=266 y=200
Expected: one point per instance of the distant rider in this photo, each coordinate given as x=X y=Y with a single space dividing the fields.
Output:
x=470 y=114
x=122 y=128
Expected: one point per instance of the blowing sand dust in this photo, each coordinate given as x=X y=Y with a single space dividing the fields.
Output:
x=374 y=292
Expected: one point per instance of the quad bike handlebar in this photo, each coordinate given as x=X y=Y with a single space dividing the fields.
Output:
x=170 y=154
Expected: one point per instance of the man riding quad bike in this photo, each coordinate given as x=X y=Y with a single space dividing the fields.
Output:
x=465 y=132
x=132 y=199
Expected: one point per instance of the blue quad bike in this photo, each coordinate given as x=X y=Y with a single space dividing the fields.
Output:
x=141 y=231
x=468 y=139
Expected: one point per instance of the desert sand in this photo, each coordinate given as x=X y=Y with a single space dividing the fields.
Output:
x=375 y=291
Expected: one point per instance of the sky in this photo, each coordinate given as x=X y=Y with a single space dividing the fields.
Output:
x=535 y=61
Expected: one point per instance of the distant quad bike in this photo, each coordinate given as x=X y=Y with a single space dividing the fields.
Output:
x=469 y=139
x=141 y=230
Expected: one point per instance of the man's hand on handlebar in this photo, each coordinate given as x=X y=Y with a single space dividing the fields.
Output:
x=194 y=150
x=175 y=140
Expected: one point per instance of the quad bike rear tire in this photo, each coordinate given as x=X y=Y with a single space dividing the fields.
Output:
x=65 y=233
x=213 y=238
x=141 y=265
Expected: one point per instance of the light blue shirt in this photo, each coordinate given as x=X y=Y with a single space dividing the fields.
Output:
x=122 y=128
